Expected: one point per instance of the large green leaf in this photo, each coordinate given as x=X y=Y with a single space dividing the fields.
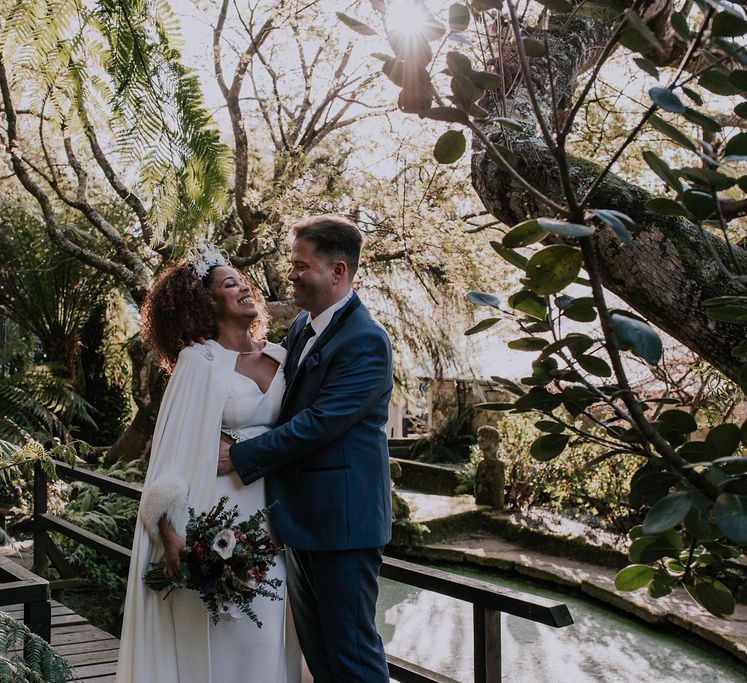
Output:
x=740 y=350
x=697 y=521
x=708 y=178
x=679 y=24
x=666 y=99
x=713 y=595
x=529 y=303
x=448 y=114
x=667 y=513
x=533 y=47
x=648 y=486
x=728 y=313
x=538 y=398
x=527 y=344
x=722 y=441
x=513 y=257
x=565 y=229
x=553 y=268
x=677 y=420
x=717 y=81
x=581 y=309
x=548 y=446
x=651 y=548
x=485 y=324
x=458 y=17
x=618 y=221
x=524 y=234
x=508 y=384
x=483 y=299
x=662 y=169
x=637 y=36
x=736 y=146
x=633 y=577
x=673 y=133
x=663 y=206
x=727 y=24
x=355 y=24
x=505 y=122
x=450 y=147
x=594 y=365
x=648 y=66
x=730 y=511
x=705 y=122
x=486 y=80
x=638 y=336
x=549 y=426
x=699 y=204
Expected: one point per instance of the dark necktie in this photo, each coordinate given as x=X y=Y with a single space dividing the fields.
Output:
x=299 y=345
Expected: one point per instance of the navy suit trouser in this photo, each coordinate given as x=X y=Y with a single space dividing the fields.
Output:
x=333 y=599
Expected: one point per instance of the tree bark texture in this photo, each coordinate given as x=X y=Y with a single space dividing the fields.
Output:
x=668 y=270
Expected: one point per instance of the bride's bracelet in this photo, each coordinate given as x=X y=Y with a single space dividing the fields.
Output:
x=236 y=436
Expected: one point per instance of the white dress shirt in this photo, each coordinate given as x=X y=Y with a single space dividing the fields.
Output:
x=320 y=322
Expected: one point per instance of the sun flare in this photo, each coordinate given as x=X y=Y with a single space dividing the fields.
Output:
x=407 y=17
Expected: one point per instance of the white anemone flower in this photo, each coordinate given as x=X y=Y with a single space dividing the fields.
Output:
x=229 y=611
x=224 y=543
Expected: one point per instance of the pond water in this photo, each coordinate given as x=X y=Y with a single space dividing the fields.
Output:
x=435 y=631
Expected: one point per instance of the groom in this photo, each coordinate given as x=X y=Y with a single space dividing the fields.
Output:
x=326 y=461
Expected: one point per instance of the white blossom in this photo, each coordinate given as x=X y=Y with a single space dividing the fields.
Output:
x=224 y=543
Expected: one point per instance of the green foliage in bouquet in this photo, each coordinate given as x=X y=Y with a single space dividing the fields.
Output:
x=226 y=563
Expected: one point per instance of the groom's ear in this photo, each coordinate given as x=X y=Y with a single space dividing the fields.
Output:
x=340 y=271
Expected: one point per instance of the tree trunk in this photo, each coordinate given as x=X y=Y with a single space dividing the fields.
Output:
x=668 y=270
x=148 y=385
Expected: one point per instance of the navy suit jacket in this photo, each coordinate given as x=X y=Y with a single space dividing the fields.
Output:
x=326 y=462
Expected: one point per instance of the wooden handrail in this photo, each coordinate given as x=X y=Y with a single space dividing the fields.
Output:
x=488 y=601
x=487 y=595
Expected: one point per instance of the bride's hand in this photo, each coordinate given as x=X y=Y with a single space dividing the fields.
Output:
x=225 y=464
x=172 y=544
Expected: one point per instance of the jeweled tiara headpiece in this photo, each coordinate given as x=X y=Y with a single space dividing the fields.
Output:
x=204 y=255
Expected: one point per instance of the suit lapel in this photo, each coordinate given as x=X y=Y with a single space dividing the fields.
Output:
x=338 y=320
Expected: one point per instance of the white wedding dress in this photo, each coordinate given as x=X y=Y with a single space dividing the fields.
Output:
x=239 y=651
x=174 y=640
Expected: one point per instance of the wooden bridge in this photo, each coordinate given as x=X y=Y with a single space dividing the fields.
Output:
x=93 y=653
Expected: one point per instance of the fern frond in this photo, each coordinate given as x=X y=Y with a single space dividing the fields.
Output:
x=39 y=662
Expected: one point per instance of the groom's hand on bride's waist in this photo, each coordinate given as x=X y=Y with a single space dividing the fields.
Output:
x=225 y=465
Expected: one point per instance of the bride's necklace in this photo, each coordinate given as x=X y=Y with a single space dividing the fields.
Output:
x=253 y=352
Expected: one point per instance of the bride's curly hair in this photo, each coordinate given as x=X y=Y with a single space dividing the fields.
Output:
x=179 y=310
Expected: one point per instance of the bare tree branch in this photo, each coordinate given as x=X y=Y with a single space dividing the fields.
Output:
x=136 y=284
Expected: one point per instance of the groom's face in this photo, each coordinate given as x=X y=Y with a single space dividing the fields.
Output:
x=313 y=278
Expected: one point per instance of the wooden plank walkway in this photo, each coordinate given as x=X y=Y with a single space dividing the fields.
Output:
x=90 y=651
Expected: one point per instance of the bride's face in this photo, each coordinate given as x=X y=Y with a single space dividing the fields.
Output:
x=233 y=296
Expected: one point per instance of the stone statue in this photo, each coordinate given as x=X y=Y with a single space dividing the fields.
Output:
x=490 y=478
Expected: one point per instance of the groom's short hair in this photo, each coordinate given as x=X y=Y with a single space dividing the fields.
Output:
x=334 y=237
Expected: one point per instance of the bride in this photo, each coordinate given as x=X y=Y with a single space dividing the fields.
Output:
x=232 y=383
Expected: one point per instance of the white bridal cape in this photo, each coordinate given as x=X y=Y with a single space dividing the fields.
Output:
x=169 y=641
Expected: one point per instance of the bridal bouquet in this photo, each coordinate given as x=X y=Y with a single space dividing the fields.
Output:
x=226 y=563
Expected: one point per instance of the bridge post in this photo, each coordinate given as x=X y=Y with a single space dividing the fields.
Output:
x=41 y=538
x=487 y=643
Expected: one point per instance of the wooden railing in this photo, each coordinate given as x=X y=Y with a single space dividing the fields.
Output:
x=488 y=601
x=19 y=586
